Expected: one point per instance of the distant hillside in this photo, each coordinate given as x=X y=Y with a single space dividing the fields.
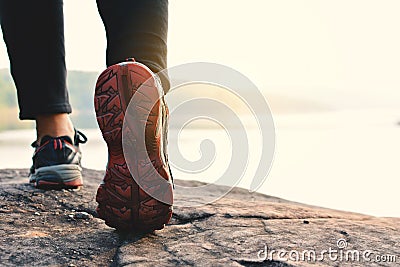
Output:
x=81 y=89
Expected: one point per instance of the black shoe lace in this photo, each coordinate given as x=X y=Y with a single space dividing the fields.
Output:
x=80 y=137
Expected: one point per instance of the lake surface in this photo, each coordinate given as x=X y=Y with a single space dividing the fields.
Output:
x=348 y=160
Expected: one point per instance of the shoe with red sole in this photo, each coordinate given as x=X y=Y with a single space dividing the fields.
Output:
x=136 y=193
x=57 y=162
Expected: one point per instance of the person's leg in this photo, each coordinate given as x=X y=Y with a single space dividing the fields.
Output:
x=138 y=29
x=136 y=193
x=34 y=35
x=53 y=125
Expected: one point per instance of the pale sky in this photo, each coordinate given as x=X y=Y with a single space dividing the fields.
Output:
x=318 y=49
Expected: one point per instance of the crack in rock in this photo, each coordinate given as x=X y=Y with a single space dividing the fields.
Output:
x=190 y=218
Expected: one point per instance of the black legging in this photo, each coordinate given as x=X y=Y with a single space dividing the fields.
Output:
x=34 y=35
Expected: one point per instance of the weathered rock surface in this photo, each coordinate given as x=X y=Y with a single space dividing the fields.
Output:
x=60 y=228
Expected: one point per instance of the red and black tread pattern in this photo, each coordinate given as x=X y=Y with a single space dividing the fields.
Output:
x=122 y=203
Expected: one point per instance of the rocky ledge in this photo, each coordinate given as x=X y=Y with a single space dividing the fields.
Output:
x=60 y=228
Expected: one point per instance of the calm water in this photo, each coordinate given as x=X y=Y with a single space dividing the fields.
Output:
x=342 y=160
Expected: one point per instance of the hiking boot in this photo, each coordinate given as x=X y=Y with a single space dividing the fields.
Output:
x=57 y=162
x=136 y=193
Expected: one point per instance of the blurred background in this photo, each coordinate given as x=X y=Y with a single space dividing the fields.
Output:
x=328 y=69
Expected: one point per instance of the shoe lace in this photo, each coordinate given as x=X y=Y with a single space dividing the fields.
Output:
x=80 y=137
x=34 y=144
